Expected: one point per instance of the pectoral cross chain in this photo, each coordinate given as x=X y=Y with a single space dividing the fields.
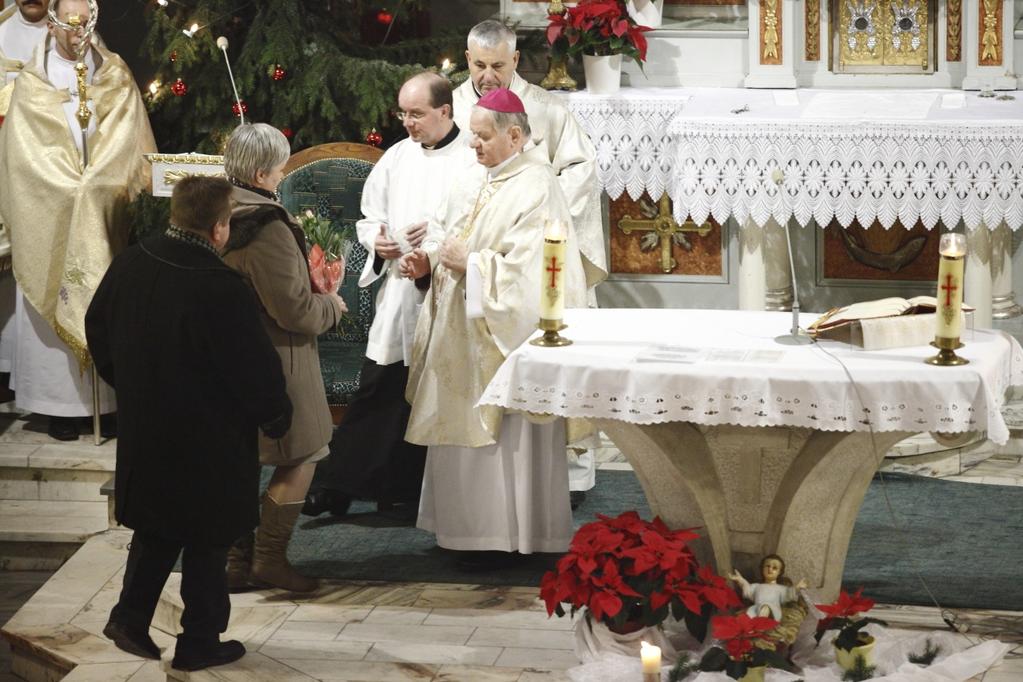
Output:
x=553 y=269
x=948 y=288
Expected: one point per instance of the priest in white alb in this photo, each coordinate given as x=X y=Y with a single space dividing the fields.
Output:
x=22 y=27
x=495 y=482
x=66 y=222
x=369 y=458
x=493 y=59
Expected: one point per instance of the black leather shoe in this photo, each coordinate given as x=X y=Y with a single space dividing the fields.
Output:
x=132 y=640
x=576 y=498
x=196 y=656
x=63 y=428
x=326 y=500
x=477 y=562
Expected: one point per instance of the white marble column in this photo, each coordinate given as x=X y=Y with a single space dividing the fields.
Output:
x=1003 y=298
x=765 y=278
x=977 y=277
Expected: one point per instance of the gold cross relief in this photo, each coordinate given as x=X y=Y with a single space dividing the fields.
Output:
x=663 y=228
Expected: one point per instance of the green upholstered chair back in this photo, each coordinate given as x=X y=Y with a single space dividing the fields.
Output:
x=328 y=179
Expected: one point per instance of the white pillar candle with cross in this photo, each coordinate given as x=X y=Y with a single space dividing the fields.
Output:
x=950 y=286
x=552 y=291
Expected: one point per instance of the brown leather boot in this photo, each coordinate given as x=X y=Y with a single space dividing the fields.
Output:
x=270 y=567
x=239 y=563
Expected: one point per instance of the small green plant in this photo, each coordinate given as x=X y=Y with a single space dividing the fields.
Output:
x=682 y=669
x=860 y=671
x=927 y=657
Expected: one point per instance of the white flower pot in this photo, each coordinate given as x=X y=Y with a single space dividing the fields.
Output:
x=593 y=639
x=603 y=74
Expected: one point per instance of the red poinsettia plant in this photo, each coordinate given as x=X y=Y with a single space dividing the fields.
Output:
x=597 y=27
x=631 y=573
x=843 y=615
x=746 y=644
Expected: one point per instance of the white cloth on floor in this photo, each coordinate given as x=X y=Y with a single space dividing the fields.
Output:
x=45 y=375
x=510 y=496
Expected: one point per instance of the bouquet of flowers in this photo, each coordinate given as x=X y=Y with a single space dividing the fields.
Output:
x=328 y=251
x=631 y=573
x=597 y=27
x=843 y=616
x=746 y=645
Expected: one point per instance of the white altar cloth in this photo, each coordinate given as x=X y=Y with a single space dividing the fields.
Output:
x=768 y=161
x=630 y=133
x=731 y=371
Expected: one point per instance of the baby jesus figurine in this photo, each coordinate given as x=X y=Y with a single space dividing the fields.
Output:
x=775 y=590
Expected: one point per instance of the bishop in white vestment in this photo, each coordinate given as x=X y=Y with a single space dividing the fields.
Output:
x=369 y=456
x=492 y=57
x=494 y=480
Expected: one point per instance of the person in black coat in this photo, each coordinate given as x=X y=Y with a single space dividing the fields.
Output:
x=177 y=334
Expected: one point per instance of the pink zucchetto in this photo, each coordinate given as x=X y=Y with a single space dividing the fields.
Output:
x=502 y=100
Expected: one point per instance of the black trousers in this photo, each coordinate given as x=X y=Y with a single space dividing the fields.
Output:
x=203 y=585
x=369 y=457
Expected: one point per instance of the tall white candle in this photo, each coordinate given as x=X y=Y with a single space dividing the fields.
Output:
x=651 y=657
x=950 y=286
x=552 y=288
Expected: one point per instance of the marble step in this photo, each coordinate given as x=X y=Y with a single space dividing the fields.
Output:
x=55 y=471
x=43 y=534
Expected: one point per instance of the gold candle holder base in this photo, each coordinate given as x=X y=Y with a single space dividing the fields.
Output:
x=946 y=356
x=551 y=338
x=557 y=77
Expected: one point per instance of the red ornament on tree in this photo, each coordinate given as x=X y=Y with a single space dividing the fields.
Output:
x=374 y=138
x=384 y=17
x=239 y=111
x=288 y=132
x=179 y=88
x=174 y=56
x=278 y=73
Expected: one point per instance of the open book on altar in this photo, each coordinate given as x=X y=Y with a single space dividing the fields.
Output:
x=885 y=323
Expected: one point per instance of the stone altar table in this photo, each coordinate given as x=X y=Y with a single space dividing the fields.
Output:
x=767 y=448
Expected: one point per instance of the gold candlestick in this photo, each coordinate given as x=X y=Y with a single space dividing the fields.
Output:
x=552 y=288
x=948 y=315
x=557 y=77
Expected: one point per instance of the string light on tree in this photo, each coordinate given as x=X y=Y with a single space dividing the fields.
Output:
x=238 y=111
x=374 y=138
x=174 y=56
x=179 y=88
x=191 y=30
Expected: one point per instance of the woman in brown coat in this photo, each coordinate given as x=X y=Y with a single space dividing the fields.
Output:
x=268 y=248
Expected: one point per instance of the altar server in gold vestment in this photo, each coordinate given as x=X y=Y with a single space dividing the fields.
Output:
x=492 y=60
x=66 y=223
x=495 y=483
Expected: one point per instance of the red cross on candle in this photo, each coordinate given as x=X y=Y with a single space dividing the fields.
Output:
x=553 y=269
x=947 y=287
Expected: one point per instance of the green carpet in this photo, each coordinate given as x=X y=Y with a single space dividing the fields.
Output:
x=962 y=539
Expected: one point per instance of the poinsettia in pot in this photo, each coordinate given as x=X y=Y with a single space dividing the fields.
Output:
x=630 y=574
x=845 y=615
x=747 y=649
x=602 y=31
x=328 y=252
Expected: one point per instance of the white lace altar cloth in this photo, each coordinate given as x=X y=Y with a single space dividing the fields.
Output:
x=630 y=133
x=768 y=161
x=724 y=367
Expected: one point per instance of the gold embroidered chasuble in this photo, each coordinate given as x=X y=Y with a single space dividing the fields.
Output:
x=571 y=154
x=66 y=224
x=454 y=358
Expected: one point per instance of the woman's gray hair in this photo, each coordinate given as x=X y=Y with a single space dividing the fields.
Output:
x=491 y=33
x=254 y=147
x=505 y=120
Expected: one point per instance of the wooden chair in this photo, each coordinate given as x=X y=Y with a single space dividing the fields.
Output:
x=327 y=179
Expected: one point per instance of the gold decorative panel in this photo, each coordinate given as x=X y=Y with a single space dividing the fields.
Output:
x=770 y=32
x=990 y=33
x=883 y=36
x=812 y=16
x=954 y=33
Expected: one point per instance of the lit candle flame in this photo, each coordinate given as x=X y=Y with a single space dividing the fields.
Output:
x=154 y=87
x=555 y=230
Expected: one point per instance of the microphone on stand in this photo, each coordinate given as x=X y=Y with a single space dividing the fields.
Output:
x=793 y=338
x=222 y=44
